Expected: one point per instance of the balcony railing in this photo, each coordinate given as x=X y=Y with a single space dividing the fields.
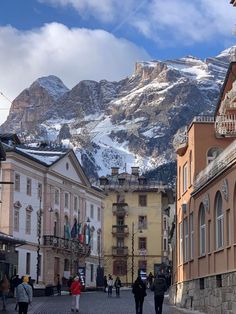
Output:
x=67 y=245
x=118 y=230
x=204 y=119
x=226 y=125
x=223 y=161
x=120 y=209
x=119 y=251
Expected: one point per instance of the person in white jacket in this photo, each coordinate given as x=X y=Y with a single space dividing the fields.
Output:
x=110 y=284
x=24 y=295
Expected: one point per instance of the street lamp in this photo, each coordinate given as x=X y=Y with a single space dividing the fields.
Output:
x=132 y=244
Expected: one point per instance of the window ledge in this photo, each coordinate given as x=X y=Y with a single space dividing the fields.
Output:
x=219 y=250
x=202 y=256
x=228 y=246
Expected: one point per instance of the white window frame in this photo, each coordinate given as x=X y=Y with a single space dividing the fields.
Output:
x=66 y=200
x=28 y=218
x=17 y=182
x=219 y=221
x=185 y=177
x=29 y=186
x=202 y=231
x=181 y=242
x=191 y=233
x=186 y=240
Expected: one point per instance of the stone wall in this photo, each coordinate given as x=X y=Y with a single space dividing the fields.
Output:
x=218 y=295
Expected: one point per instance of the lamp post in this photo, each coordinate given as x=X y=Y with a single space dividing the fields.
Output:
x=39 y=223
x=132 y=251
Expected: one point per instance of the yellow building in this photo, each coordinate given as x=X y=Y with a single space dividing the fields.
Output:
x=135 y=224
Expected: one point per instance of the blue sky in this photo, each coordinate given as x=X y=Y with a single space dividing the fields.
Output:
x=102 y=39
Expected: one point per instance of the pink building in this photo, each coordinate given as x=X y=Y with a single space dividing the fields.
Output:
x=205 y=263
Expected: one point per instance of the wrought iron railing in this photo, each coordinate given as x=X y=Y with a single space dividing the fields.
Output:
x=119 y=251
x=120 y=209
x=66 y=244
x=120 y=230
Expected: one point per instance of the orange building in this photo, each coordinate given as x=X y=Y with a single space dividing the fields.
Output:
x=205 y=270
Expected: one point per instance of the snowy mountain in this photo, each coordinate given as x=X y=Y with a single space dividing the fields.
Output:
x=125 y=123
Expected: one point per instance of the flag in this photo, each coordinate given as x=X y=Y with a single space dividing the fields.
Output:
x=74 y=230
x=87 y=234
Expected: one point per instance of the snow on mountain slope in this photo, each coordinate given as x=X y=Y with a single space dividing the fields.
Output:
x=125 y=123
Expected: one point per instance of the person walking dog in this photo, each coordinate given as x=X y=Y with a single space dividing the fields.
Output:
x=24 y=295
x=75 y=289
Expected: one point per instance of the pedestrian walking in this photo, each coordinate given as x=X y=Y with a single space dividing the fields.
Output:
x=15 y=283
x=4 y=289
x=150 y=279
x=117 y=286
x=24 y=295
x=58 y=285
x=110 y=285
x=159 y=287
x=139 y=291
x=105 y=283
x=75 y=291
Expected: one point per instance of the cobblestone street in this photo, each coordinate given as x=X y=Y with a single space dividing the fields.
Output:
x=93 y=303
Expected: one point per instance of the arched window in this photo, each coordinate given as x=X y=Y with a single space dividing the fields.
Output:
x=213 y=153
x=202 y=230
x=219 y=215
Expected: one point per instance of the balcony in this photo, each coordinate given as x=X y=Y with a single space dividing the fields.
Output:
x=120 y=231
x=225 y=125
x=120 y=209
x=66 y=245
x=120 y=251
x=216 y=167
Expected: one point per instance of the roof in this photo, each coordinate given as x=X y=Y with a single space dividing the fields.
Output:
x=222 y=92
x=10 y=239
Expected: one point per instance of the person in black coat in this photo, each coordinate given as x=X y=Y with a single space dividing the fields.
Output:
x=139 y=291
x=117 y=286
x=159 y=287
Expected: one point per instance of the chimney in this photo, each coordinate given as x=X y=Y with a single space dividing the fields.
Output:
x=135 y=171
x=114 y=171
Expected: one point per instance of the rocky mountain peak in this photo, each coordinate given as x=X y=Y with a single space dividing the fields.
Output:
x=125 y=123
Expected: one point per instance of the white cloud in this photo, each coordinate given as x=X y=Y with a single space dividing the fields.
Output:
x=71 y=54
x=179 y=21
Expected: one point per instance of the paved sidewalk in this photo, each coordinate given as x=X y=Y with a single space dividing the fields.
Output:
x=93 y=303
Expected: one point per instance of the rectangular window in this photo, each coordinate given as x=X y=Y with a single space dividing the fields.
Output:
x=16 y=220
x=56 y=197
x=17 y=182
x=28 y=263
x=181 y=243
x=185 y=177
x=40 y=187
x=164 y=244
x=91 y=211
x=99 y=244
x=66 y=200
x=75 y=203
x=142 y=222
x=142 y=265
x=99 y=214
x=179 y=183
x=218 y=281
x=201 y=283
x=228 y=229
x=191 y=232
x=28 y=186
x=219 y=231
x=185 y=240
x=142 y=243
x=28 y=223
x=91 y=272
x=143 y=200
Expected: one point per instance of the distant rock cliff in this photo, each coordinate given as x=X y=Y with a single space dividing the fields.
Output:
x=125 y=123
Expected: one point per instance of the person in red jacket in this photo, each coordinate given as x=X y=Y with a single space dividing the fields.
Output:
x=75 y=289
